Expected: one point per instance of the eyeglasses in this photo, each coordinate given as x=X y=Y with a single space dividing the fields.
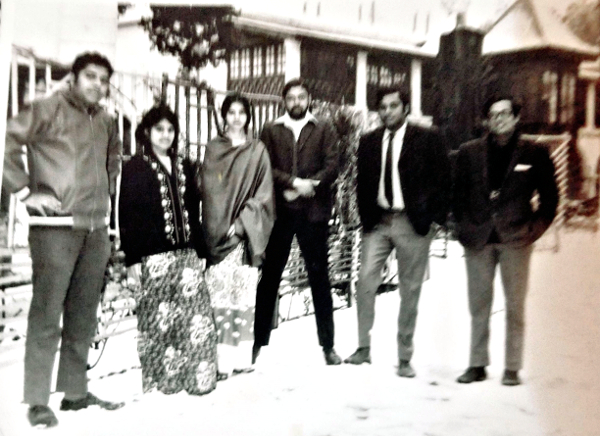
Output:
x=506 y=113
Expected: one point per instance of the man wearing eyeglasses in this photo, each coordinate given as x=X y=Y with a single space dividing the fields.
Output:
x=505 y=199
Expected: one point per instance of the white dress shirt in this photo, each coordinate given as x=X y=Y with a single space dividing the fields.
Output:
x=396 y=189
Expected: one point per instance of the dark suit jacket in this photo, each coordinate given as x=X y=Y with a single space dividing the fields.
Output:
x=424 y=171
x=510 y=212
x=315 y=156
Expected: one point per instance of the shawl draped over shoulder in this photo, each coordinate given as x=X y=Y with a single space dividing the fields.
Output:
x=236 y=188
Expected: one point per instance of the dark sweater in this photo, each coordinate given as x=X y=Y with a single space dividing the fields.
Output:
x=499 y=157
x=144 y=229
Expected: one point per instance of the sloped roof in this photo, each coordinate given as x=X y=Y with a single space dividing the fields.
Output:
x=530 y=25
x=355 y=35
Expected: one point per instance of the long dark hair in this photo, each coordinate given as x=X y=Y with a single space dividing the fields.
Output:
x=239 y=98
x=149 y=120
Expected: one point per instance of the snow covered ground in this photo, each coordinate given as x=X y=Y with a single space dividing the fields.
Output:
x=293 y=393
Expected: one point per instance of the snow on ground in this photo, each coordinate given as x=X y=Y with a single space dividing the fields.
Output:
x=293 y=393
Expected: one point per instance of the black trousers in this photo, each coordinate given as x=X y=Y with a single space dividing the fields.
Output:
x=312 y=239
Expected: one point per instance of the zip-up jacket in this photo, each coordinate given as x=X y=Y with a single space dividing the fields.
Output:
x=73 y=153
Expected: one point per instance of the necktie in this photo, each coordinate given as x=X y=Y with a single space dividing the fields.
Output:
x=387 y=181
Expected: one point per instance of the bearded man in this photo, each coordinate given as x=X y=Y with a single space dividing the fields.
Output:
x=304 y=160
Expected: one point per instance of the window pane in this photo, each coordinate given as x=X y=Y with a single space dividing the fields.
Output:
x=234 y=65
x=550 y=95
x=280 y=59
x=270 y=61
x=258 y=62
x=399 y=78
x=245 y=63
x=373 y=75
x=385 y=78
x=567 y=98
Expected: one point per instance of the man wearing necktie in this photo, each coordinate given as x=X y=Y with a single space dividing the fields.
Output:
x=403 y=187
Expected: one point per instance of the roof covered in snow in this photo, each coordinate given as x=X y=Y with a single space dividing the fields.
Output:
x=530 y=25
x=360 y=36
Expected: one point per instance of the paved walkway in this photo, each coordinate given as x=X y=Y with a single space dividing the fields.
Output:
x=293 y=393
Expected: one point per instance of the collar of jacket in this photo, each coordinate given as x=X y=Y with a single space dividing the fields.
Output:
x=399 y=132
x=285 y=119
x=514 y=140
x=78 y=103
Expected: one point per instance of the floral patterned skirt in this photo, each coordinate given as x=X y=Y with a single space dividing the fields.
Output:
x=177 y=336
x=232 y=287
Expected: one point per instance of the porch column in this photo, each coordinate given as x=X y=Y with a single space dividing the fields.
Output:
x=292 y=58
x=416 y=67
x=590 y=107
x=6 y=39
x=361 y=80
x=588 y=137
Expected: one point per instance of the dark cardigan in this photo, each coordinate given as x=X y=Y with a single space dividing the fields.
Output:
x=141 y=214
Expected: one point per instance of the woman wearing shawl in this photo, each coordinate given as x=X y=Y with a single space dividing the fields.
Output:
x=162 y=240
x=238 y=211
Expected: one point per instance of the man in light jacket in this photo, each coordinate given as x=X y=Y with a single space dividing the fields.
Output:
x=73 y=159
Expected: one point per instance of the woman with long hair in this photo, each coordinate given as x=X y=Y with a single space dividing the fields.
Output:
x=163 y=243
x=238 y=212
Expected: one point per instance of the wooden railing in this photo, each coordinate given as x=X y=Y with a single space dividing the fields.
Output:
x=558 y=147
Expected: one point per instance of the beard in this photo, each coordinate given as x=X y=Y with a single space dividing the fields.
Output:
x=297 y=112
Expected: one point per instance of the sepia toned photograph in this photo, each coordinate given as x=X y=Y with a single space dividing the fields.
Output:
x=300 y=218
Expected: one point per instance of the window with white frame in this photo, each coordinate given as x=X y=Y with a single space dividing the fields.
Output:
x=385 y=76
x=270 y=61
x=373 y=75
x=567 y=98
x=550 y=95
x=258 y=62
x=399 y=78
x=245 y=63
x=280 y=59
x=234 y=64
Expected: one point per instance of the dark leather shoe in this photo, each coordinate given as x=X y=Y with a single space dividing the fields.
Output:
x=361 y=355
x=473 y=374
x=405 y=370
x=511 y=378
x=255 y=353
x=41 y=415
x=331 y=357
x=242 y=371
x=89 y=400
